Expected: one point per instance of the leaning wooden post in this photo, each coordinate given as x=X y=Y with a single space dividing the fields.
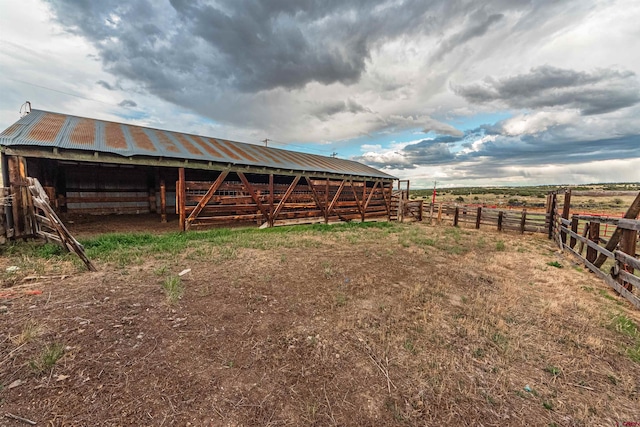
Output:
x=182 y=202
x=163 y=201
x=478 y=218
x=456 y=214
x=628 y=246
x=552 y=211
x=500 y=217
x=594 y=236
x=574 y=228
x=523 y=221
x=565 y=214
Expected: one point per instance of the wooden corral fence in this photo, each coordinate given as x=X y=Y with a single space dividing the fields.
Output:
x=234 y=196
x=613 y=259
x=477 y=217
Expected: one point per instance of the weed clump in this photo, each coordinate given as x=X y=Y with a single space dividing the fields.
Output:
x=174 y=288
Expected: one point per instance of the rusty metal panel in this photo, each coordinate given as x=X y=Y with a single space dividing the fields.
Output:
x=42 y=128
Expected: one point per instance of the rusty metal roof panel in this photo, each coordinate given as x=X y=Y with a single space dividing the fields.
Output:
x=47 y=129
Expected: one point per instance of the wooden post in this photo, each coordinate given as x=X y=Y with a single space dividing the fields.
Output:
x=478 y=218
x=420 y=211
x=552 y=211
x=326 y=204
x=565 y=214
x=163 y=201
x=628 y=246
x=271 y=188
x=182 y=202
x=585 y=233
x=523 y=221
x=594 y=236
x=440 y=213
x=500 y=217
x=574 y=228
x=456 y=214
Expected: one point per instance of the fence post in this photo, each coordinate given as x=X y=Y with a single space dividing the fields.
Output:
x=478 y=218
x=523 y=220
x=552 y=211
x=500 y=215
x=574 y=228
x=421 y=208
x=594 y=236
x=456 y=213
x=440 y=213
x=182 y=199
x=628 y=246
x=565 y=214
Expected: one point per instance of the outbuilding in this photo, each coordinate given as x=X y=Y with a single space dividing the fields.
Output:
x=97 y=167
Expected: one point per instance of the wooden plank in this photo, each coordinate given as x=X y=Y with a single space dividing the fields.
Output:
x=626 y=259
x=599 y=219
x=254 y=196
x=608 y=279
x=335 y=198
x=632 y=213
x=629 y=224
x=285 y=197
x=316 y=198
x=355 y=196
x=205 y=199
x=565 y=213
x=629 y=279
x=592 y=244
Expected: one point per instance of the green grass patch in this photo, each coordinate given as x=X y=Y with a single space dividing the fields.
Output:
x=500 y=247
x=555 y=264
x=174 y=288
x=48 y=358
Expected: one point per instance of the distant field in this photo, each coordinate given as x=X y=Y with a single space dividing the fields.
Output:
x=535 y=196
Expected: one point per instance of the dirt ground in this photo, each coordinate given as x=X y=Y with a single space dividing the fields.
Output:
x=404 y=325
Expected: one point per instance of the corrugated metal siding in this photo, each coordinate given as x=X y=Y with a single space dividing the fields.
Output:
x=42 y=128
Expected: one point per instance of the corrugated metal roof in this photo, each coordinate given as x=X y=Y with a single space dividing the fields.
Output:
x=47 y=129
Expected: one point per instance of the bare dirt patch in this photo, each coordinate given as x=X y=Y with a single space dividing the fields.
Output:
x=399 y=325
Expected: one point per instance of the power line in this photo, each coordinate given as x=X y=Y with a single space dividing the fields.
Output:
x=63 y=92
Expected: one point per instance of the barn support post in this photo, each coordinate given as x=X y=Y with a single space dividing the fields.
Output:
x=326 y=203
x=271 y=187
x=181 y=199
x=163 y=201
x=565 y=213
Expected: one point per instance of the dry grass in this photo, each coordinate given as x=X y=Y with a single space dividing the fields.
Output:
x=408 y=325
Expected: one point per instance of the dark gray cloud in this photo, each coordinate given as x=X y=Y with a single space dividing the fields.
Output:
x=105 y=85
x=477 y=26
x=326 y=110
x=597 y=92
x=128 y=103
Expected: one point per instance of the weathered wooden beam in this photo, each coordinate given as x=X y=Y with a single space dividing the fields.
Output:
x=373 y=190
x=205 y=199
x=335 y=197
x=594 y=234
x=285 y=197
x=181 y=199
x=628 y=246
x=355 y=196
x=574 y=228
x=523 y=221
x=163 y=201
x=249 y=188
x=478 y=217
x=632 y=213
x=271 y=205
x=315 y=196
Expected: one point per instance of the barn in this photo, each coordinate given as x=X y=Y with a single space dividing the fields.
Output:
x=96 y=167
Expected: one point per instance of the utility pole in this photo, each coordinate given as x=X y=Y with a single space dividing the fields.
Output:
x=266 y=141
x=334 y=154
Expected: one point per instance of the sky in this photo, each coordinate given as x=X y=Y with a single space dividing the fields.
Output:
x=465 y=93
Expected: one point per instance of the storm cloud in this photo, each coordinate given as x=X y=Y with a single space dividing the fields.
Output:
x=597 y=92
